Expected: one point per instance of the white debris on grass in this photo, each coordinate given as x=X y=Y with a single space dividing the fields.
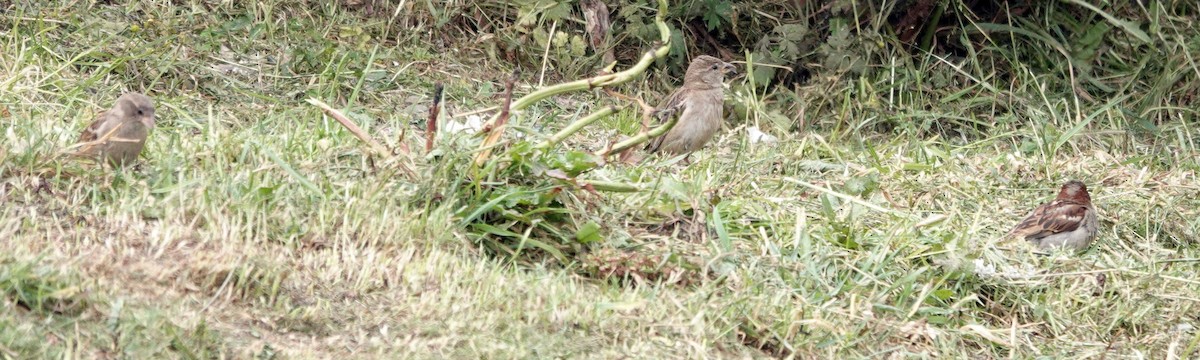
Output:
x=757 y=136
x=472 y=123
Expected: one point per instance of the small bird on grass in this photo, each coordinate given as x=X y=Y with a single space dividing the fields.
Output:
x=1067 y=222
x=119 y=134
x=700 y=107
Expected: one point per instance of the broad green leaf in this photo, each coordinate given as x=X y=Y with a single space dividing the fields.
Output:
x=588 y=233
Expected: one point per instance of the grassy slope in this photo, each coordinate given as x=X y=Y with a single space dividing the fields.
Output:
x=256 y=226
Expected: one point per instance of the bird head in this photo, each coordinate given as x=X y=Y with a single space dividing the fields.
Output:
x=1075 y=190
x=708 y=70
x=137 y=107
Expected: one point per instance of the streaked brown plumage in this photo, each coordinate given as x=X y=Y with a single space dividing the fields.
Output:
x=699 y=105
x=119 y=134
x=1067 y=222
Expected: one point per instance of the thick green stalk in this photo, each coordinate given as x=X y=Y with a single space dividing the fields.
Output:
x=577 y=125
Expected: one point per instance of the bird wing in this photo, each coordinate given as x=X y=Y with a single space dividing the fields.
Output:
x=92 y=132
x=1055 y=217
x=674 y=104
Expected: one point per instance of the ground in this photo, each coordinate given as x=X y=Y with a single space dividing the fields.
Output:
x=256 y=226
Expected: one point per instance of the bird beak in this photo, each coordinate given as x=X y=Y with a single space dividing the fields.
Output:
x=730 y=69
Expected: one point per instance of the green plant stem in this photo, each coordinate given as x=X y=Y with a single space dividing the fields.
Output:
x=931 y=29
x=577 y=125
x=601 y=80
x=639 y=138
x=610 y=186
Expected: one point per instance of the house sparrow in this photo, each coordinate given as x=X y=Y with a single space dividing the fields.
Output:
x=119 y=134
x=700 y=103
x=1067 y=222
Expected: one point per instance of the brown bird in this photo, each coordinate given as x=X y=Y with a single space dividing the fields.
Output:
x=118 y=135
x=699 y=104
x=1067 y=222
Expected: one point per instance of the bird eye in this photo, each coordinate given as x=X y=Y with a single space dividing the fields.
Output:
x=715 y=66
x=140 y=112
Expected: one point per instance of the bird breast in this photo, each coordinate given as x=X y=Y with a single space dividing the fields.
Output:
x=700 y=120
x=125 y=130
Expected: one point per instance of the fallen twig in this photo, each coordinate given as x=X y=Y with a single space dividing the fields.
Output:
x=496 y=128
x=350 y=125
x=358 y=132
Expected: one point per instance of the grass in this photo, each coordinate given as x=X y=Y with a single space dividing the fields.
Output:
x=256 y=227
